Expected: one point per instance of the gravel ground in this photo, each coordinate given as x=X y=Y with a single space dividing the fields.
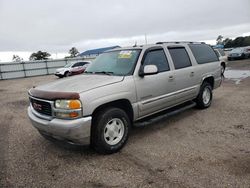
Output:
x=208 y=148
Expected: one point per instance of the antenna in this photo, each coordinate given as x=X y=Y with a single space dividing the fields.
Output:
x=135 y=44
x=146 y=40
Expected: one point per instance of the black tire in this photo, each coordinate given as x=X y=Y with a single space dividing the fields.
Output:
x=223 y=67
x=229 y=58
x=100 y=123
x=66 y=74
x=201 y=103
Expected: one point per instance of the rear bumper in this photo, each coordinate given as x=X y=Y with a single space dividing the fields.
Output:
x=75 y=131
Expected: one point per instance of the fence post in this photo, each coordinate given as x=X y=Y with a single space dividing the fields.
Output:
x=1 y=73
x=24 y=72
x=46 y=63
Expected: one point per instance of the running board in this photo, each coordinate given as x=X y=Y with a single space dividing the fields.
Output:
x=164 y=115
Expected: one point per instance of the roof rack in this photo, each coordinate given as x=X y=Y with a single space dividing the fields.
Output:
x=178 y=42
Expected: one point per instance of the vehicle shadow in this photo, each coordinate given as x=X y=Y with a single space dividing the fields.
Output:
x=142 y=131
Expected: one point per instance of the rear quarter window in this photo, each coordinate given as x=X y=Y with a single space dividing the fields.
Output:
x=203 y=53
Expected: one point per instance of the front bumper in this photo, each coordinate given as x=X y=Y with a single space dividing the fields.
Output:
x=58 y=74
x=75 y=131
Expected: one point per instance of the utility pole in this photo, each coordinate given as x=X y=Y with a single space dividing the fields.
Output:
x=146 y=40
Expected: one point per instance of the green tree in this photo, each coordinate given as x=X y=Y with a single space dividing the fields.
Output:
x=237 y=42
x=219 y=39
x=16 y=58
x=39 y=55
x=73 y=52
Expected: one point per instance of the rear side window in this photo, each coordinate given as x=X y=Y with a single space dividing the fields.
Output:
x=180 y=57
x=203 y=53
x=158 y=58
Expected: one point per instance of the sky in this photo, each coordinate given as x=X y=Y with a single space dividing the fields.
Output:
x=55 y=26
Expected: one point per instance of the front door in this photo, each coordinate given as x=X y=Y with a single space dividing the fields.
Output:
x=153 y=90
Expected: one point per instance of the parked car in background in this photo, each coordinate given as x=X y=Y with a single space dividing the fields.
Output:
x=247 y=51
x=125 y=87
x=79 y=69
x=239 y=53
x=222 y=57
x=72 y=69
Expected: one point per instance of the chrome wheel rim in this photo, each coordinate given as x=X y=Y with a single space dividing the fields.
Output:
x=206 y=96
x=114 y=131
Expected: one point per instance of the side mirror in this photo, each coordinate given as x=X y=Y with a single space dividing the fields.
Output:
x=148 y=70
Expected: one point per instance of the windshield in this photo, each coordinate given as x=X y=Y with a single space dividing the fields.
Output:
x=120 y=62
x=237 y=50
x=68 y=65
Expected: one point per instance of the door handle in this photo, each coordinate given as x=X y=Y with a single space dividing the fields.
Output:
x=171 y=77
x=191 y=74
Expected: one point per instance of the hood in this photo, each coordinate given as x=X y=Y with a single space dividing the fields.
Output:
x=80 y=83
x=60 y=69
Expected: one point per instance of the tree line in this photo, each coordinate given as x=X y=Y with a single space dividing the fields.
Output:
x=233 y=43
x=40 y=55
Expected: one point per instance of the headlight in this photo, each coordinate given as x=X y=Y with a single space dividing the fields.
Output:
x=68 y=104
x=68 y=109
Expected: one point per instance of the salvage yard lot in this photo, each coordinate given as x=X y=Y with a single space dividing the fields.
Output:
x=208 y=148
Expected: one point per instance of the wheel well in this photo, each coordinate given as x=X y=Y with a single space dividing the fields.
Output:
x=123 y=104
x=209 y=80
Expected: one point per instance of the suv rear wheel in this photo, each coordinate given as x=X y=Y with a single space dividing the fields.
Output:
x=204 y=99
x=110 y=130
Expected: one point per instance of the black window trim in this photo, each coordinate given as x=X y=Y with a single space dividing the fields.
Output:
x=176 y=47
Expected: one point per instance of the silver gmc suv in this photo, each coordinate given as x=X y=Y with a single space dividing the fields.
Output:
x=122 y=88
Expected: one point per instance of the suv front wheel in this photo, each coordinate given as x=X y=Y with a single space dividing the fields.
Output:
x=204 y=99
x=110 y=130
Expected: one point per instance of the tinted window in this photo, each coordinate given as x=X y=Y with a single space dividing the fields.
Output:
x=158 y=58
x=76 y=65
x=82 y=63
x=203 y=53
x=180 y=57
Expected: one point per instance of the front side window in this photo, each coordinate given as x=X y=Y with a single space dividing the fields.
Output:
x=180 y=57
x=76 y=65
x=203 y=53
x=82 y=63
x=119 y=62
x=158 y=58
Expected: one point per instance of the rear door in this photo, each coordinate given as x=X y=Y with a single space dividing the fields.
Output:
x=185 y=76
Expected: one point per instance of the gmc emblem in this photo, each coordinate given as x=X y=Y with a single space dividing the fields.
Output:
x=37 y=106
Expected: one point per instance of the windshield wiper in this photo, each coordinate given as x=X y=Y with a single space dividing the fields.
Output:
x=105 y=72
